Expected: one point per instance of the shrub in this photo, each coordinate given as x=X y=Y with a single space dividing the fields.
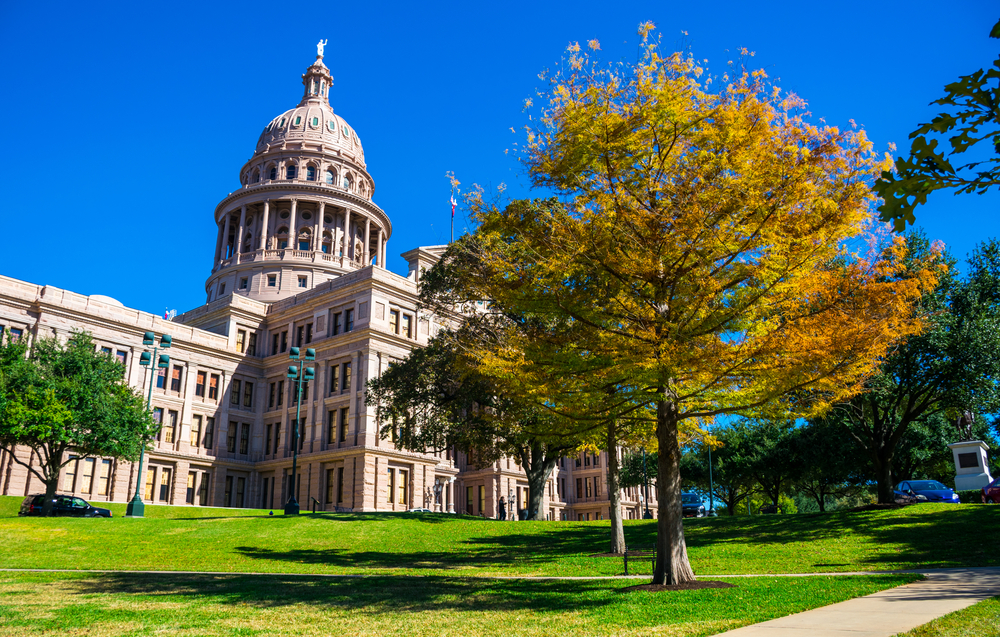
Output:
x=974 y=496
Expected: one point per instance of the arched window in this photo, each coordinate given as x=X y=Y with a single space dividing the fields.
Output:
x=348 y=183
x=304 y=240
x=256 y=176
x=327 y=242
x=290 y=171
x=274 y=173
x=282 y=237
x=330 y=177
x=310 y=173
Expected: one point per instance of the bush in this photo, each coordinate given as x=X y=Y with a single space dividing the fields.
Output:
x=974 y=496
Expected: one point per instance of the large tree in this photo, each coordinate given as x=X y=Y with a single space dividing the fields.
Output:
x=971 y=122
x=951 y=368
x=831 y=463
x=699 y=251
x=61 y=398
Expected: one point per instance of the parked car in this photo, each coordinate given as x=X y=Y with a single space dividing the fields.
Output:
x=933 y=490
x=991 y=492
x=906 y=498
x=63 y=505
x=692 y=506
x=419 y=510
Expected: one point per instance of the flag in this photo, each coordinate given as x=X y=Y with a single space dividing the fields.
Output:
x=453 y=204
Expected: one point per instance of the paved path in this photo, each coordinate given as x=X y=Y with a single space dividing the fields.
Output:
x=888 y=612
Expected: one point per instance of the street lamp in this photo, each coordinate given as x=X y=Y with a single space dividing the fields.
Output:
x=307 y=374
x=136 y=508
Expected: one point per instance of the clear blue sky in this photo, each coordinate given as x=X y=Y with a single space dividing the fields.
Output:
x=128 y=122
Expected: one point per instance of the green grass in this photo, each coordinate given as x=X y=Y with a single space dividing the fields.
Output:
x=119 y=604
x=978 y=620
x=232 y=540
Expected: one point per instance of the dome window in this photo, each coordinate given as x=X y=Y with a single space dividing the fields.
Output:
x=284 y=215
x=327 y=219
x=256 y=176
x=290 y=171
x=329 y=177
x=347 y=183
x=310 y=173
x=312 y=89
x=274 y=173
x=344 y=128
x=298 y=120
x=315 y=122
x=282 y=124
x=331 y=126
x=307 y=216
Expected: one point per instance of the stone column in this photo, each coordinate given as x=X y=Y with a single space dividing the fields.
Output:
x=368 y=234
x=337 y=238
x=451 y=496
x=318 y=228
x=263 y=225
x=347 y=233
x=239 y=232
x=225 y=239
x=218 y=246
x=381 y=259
x=293 y=231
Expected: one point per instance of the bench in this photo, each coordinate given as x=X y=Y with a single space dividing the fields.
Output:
x=640 y=553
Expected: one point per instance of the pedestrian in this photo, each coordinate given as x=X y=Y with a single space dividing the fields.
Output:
x=502 y=509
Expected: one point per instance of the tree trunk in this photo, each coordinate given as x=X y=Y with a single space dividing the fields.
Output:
x=51 y=485
x=538 y=466
x=883 y=477
x=672 y=566
x=614 y=492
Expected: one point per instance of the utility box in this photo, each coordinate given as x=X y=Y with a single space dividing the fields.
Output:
x=971 y=470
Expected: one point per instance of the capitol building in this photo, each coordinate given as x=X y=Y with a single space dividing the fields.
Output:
x=299 y=261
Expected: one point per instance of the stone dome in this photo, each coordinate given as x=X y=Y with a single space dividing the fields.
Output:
x=316 y=123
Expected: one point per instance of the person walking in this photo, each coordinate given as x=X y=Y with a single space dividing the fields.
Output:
x=501 y=509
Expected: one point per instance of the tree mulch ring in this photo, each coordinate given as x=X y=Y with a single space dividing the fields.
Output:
x=687 y=586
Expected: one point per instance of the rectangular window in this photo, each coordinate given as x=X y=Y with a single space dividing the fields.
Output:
x=213 y=387
x=243 y=283
x=69 y=478
x=122 y=356
x=175 y=379
x=402 y=487
x=597 y=485
x=302 y=432
x=303 y=281
x=203 y=490
x=272 y=280
x=281 y=391
x=165 y=485
x=270 y=396
x=158 y=419
x=252 y=344
x=274 y=345
x=209 y=431
x=161 y=378
x=267 y=439
x=103 y=477
x=150 y=475
x=189 y=494
x=245 y=439
x=106 y=350
x=248 y=394
x=468 y=500
x=284 y=341
x=482 y=498
x=348 y=320
x=234 y=394
x=346 y=378
x=597 y=461
x=334 y=378
x=309 y=333
x=231 y=438
x=277 y=435
x=335 y=324
x=331 y=476
x=579 y=488
x=586 y=460
x=391 y=488
x=199 y=385
x=344 y=422
x=299 y=335
x=331 y=425
x=407 y=326
x=171 y=428
x=586 y=484
x=241 y=341
x=394 y=321
x=340 y=485
x=227 y=496
x=195 y=430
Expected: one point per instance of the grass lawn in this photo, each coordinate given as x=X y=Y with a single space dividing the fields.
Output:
x=978 y=620
x=119 y=604
x=234 y=540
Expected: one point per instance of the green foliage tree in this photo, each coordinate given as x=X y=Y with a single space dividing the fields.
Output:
x=59 y=398
x=952 y=367
x=973 y=117
x=832 y=465
x=436 y=399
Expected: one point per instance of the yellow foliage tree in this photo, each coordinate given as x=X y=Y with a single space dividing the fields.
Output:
x=711 y=253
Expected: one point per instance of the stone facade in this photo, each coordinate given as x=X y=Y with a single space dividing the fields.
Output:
x=299 y=262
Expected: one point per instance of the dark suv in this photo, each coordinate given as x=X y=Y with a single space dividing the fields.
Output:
x=63 y=505
x=692 y=506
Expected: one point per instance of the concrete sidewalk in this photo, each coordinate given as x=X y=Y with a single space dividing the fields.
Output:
x=889 y=612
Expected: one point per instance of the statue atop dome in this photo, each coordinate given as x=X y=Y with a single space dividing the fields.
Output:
x=319 y=48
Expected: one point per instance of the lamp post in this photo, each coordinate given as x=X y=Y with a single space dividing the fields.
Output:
x=306 y=374
x=136 y=508
x=711 y=486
